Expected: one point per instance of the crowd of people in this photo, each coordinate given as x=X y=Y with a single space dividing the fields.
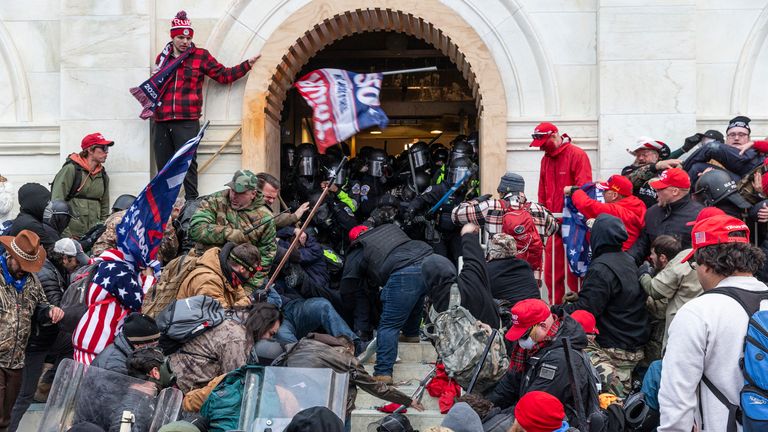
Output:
x=397 y=242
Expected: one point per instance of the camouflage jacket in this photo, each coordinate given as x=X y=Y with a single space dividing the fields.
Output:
x=169 y=246
x=16 y=312
x=215 y=220
x=214 y=352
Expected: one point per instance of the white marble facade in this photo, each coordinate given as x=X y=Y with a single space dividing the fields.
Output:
x=605 y=71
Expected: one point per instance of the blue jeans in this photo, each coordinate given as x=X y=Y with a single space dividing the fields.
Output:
x=737 y=165
x=402 y=299
x=303 y=316
x=651 y=384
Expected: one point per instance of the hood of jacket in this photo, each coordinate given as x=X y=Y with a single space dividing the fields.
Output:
x=79 y=160
x=33 y=197
x=210 y=262
x=438 y=273
x=608 y=234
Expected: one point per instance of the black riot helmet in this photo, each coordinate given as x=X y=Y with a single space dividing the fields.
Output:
x=57 y=215
x=330 y=165
x=440 y=156
x=392 y=423
x=462 y=149
x=717 y=186
x=123 y=202
x=458 y=168
x=288 y=155
x=419 y=155
x=377 y=162
x=306 y=160
x=420 y=183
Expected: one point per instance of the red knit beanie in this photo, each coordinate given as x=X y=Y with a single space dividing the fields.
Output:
x=355 y=232
x=181 y=25
x=538 y=411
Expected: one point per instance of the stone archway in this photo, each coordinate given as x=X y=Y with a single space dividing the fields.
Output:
x=321 y=22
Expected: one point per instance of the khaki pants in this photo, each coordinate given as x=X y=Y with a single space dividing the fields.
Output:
x=10 y=384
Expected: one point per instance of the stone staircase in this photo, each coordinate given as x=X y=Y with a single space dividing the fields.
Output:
x=414 y=364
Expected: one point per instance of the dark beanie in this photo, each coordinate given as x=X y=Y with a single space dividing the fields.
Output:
x=739 y=121
x=140 y=328
x=511 y=182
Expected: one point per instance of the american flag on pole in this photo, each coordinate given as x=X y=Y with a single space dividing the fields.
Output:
x=343 y=103
x=140 y=232
x=574 y=231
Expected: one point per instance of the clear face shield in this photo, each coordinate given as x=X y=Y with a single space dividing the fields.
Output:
x=376 y=168
x=419 y=158
x=307 y=166
x=456 y=174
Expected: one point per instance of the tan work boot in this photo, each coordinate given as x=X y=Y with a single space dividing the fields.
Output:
x=386 y=379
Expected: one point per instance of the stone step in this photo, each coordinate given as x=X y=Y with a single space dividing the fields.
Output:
x=406 y=373
x=368 y=401
x=32 y=418
x=361 y=418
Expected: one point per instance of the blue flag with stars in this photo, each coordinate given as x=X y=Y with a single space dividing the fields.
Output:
x=140 y=232
x=574 y=230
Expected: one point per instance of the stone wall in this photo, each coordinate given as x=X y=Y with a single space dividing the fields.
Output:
x=605 y=71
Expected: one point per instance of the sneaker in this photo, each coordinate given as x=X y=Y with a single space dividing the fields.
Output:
x=386 y=379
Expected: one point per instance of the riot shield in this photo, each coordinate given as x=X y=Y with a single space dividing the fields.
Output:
x=87 y=394
x=273 y=395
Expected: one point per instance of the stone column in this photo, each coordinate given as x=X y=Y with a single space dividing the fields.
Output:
x=104 y=52
x=646 y=55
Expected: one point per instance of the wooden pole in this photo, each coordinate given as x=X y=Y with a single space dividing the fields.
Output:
x=218 y=152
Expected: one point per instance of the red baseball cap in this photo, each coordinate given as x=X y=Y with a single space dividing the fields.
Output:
x=587 y=321
x=355 y=232
x=95 y=139
x=706 y=212
x=526 y=314
x=542 y=133
x=672 y=177
x=716 y=230
x=764 y=178
x=539 y=411
x=617 y=183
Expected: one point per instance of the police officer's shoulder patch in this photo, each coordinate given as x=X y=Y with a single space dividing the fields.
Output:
x=547 y=371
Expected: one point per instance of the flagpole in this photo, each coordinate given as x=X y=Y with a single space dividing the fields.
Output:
x=404 y=71
x=304 y=226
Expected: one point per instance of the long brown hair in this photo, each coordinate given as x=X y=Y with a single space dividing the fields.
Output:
x=260 y=319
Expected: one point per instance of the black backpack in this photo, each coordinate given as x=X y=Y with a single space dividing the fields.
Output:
x=181 y=223
x=73 y=301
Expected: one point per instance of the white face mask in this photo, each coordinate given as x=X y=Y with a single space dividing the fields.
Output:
x=526 y=343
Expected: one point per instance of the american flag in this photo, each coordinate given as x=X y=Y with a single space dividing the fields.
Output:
x=574 y=230
x=116 y=290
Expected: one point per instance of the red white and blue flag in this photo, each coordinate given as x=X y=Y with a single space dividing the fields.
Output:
x=140 y=232
x=343 y=103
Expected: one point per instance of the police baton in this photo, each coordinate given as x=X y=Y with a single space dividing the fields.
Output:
x=304 y=226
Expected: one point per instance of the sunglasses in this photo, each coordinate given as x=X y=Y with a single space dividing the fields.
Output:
x=540 y=135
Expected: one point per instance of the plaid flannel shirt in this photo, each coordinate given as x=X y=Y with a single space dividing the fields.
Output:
x=183 y=99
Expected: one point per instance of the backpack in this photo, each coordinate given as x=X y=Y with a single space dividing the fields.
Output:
x=164 y=292
x=222 y=408
x=460 y=341
x=519 y=224
x=752 y=410
x=182 y=223
x=185 y=319
x=77 y=182
x=73 y=301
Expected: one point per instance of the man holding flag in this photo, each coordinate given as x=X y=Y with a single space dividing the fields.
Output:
x=124 y=274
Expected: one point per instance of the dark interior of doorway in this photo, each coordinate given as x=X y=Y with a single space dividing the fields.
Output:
x=420 y=106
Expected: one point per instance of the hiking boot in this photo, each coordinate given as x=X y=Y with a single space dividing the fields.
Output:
x=386 y=379
x=409 y=339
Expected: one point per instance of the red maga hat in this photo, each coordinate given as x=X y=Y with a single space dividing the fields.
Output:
x=526 y=314
x=542 y=133
x=716 y=230
x=617 y=183
x=95 y=139
x=675 y=177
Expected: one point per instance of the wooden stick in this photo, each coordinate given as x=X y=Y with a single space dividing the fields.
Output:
x=424 y=69
x=218 y=152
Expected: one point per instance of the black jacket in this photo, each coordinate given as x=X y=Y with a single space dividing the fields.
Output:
x=671 y=220
x=114 y=356
x=547 y=371
x=54 y=281
x=611 y=291
x=511 y=279
x=33 y=198
x=439 y=274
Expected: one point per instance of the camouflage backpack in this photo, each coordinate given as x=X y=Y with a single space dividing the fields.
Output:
x=164 y=292
x=460 y=339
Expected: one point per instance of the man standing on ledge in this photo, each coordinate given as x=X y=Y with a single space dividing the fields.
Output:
x=177 y=116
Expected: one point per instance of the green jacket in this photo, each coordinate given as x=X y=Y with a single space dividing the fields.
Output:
x=215 y=220
x=16 y=311
x=91 y=203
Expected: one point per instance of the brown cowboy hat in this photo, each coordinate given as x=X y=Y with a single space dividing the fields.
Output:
x=25 y=248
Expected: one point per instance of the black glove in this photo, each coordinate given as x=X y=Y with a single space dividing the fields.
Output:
x=646 y=268
x=691 y=141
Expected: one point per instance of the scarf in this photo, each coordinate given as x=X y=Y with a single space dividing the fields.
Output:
x=520 y=356
x=151 y=90
x=18 y=284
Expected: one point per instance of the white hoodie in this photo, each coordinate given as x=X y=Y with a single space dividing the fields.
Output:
x=706 y=337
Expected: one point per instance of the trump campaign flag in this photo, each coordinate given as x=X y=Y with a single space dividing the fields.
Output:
x=343 y=103
x=140 y=232
x=574 y=230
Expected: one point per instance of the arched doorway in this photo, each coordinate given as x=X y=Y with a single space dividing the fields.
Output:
x=430 y=21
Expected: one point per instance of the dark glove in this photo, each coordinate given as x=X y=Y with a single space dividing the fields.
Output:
x=571 y=297
x=691 y=141
x=646 y=268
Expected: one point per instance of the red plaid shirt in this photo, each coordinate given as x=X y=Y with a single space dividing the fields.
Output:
x=183 y=98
